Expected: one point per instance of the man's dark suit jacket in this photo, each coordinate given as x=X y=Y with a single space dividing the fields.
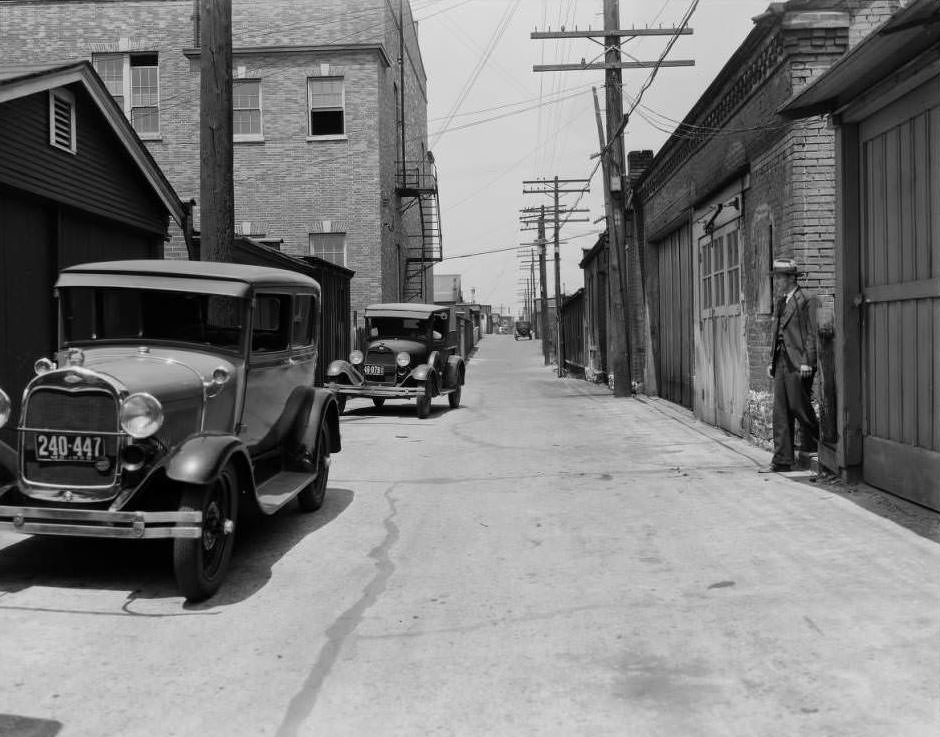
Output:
x=795 y=317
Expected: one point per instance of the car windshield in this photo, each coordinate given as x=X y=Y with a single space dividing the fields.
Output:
x=91 y=314
x=397 y=327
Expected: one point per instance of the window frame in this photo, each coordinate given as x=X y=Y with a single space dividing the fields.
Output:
x=311 y=136
x=246 y=137
x=126 y=103
x=311 y=251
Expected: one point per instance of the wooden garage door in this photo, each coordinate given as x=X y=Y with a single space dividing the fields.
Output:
x=27 y=308
x=674 y=321
x=900 y=262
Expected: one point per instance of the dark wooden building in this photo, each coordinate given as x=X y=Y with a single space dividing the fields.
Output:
x=76 y=184
x=335 y=325
x=883 y=100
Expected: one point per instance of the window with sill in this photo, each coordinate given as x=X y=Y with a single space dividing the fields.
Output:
x=246 y=109
x=133 y=80
x=329 y=246
x=326 y=105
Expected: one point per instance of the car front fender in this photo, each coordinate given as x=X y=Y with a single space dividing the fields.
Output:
x=200 y=459
x=343 y=372
x=325 y=409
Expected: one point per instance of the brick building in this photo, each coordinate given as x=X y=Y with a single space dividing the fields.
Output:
x=735 y=186
x=319 y=124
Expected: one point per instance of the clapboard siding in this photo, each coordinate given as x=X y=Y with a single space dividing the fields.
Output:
x=100 y=178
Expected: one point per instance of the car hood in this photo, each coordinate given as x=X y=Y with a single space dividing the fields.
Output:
x=415 y=348
x=168 y=375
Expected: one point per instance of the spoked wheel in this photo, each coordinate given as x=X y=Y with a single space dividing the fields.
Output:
x=424 y=402
x=378 y=401
x=312 y=496
x=454 y=397
x=200 y=564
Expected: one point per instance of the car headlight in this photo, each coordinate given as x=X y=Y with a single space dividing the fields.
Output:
x=403 y=359
x=356 y=357
x=5 y=408
x=141 y=415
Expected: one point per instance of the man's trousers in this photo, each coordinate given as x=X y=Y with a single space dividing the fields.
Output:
x=793 y=396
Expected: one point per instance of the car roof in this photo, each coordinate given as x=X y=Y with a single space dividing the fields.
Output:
x=235 y=280
x=403 y=309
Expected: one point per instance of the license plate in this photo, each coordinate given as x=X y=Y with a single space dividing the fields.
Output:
x=370 y=370
x=82 y=448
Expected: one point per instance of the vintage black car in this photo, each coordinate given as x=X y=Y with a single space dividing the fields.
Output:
x=523 y=329
x=411 y=353
x=181 y=400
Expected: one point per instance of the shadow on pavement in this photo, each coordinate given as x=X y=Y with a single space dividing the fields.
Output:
x=12 y=725
x=145 y=568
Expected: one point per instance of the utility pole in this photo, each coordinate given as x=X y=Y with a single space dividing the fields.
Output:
x=216 y=178
x=613 y=160
x=554 y=188
x=559 y=330
x=543 y=307
x=621 y=358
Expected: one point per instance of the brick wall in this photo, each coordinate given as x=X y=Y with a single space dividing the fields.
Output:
x=287 y=183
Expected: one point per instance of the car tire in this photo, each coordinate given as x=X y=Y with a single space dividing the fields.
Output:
x=378 y=401
x=311 y=497
x=424 y=403
x=453 y=399
x=200 y=564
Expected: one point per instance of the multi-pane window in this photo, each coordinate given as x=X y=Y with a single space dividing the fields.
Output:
x=721 y=269
x=325 y=100
x=134 y=82
x=329 y=246
x=246 y=108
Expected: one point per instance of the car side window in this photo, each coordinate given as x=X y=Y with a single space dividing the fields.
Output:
x=271 y=323
x=440 y=326
x=302 y=329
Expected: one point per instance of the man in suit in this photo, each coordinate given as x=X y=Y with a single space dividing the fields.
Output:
x=792 y=366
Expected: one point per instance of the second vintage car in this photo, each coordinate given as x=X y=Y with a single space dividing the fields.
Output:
x=411 y=352
x=181 y=400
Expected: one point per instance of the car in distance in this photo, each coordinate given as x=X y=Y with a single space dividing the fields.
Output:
x=523 y=329
x=181 y=400
x=411 y=352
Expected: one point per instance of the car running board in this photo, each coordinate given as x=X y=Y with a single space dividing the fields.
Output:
x=280 y=489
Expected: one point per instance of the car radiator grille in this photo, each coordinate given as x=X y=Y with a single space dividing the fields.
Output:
x=384 y=359
x=70 y=413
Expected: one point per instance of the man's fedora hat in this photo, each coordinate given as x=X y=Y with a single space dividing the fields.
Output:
x=785 y=266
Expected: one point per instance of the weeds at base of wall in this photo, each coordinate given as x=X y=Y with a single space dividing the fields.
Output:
x=759 y=420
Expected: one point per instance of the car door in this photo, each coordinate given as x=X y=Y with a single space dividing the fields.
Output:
x=270 y=372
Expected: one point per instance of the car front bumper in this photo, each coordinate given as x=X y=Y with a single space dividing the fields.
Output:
x=378 y=391
x=100 y=522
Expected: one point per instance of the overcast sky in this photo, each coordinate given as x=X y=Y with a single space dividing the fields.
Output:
x=493 y=122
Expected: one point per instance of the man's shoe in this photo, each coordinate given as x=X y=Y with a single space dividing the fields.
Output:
x=774 y=468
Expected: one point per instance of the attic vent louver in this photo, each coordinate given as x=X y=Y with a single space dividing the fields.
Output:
x=62 y=120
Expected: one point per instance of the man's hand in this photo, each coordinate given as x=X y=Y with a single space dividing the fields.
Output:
x=805 y=371
x=770 y=370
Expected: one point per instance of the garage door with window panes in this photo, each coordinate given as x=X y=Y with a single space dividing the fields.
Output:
x=723 y=354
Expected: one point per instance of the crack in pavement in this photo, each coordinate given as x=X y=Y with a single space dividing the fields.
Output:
x=344 y=627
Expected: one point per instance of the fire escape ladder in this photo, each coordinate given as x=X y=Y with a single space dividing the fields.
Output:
x=417 y=184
